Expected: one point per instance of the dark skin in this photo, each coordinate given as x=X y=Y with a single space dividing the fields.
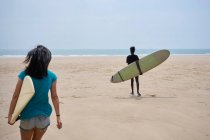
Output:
x=137 y=84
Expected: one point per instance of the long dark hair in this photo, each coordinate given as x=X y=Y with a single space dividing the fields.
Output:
x=38 y=59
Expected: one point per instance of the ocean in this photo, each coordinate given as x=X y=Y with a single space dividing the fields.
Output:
x=102 y=52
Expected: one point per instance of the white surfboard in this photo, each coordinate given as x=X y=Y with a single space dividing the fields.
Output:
x=26 y=93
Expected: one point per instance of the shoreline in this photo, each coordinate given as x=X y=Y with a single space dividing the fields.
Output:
x=77 y=56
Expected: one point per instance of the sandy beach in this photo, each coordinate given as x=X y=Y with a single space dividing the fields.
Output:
x=175 y=102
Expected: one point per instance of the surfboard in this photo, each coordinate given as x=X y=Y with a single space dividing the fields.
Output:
x=141 y=66
x=26 y=93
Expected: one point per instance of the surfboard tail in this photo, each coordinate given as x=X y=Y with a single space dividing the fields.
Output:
x=112 y=79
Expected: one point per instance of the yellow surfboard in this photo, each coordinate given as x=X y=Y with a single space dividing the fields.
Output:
x=141 y=66
x=26 y=93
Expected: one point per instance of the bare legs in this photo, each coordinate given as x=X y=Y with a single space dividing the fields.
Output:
x=137 y=85
x=35 y=134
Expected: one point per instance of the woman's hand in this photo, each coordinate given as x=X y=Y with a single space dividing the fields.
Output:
x=59 y=123
x=9 y=119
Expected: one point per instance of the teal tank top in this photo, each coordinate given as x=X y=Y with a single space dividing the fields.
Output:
x=39 y=104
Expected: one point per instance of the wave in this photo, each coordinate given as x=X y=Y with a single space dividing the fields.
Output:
x=103 y=52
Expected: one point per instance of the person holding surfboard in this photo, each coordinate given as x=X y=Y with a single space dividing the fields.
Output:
x=132 y=58
x=35 y=117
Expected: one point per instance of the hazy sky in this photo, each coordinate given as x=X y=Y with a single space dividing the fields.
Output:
x=102 y=24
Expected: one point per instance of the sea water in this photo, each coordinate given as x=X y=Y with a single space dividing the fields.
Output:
x=102 y=52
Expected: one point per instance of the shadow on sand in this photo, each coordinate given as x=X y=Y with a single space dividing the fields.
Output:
x=146 y=97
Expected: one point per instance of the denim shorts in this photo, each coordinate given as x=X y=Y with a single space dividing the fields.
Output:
x=40 y=122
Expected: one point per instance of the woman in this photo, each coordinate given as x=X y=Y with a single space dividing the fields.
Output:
x=35 y=118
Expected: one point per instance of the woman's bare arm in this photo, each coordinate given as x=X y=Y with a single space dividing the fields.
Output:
x=55 y=101
x=14 y=99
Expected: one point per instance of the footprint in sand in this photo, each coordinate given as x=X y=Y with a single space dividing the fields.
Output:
x=153 y=95
x=74 y=96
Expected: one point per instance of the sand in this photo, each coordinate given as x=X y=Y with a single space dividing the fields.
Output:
x=175 y=102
